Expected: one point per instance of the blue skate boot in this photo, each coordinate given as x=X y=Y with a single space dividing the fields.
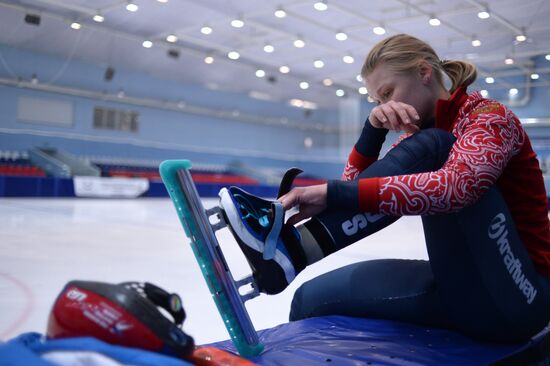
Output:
x=271 y=247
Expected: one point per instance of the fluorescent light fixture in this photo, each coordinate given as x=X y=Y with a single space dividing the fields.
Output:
x=147 y=44
x=98 y=18
x=476 y=42
x=280 y=13
x=320 y=5
x=489 y=80
x=172 y=38
x=363 y=90
x=509 y=61
x=318 y=64
x=209 y=60
x=379 y=30
x=162 y=1
x=260 y=73
x=237 y=23
x=284 y=69
x=304 y=85
x=268 y=48
x=359 y=78
x=513 y=92
x=206 y=30
x=299 y=43
x=340 y=93
x=341 y=36
x=327 y=82
x=535 y=76
x=484 y=93
x=233 y=55
x=521 y=38
x=547 y=57
x=75 y=25
x=132 y=7
x=348 y=59
x=484 y=14
x=434 y=22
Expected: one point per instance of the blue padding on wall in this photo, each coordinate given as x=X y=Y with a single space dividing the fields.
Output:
x=347 y=341
x=14 y=186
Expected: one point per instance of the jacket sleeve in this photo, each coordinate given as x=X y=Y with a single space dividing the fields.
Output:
x=475 y=162
x=365 y=151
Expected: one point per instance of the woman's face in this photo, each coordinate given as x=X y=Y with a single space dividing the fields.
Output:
x=414 y=88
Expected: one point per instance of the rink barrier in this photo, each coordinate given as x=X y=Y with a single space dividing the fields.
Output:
x=16 y=186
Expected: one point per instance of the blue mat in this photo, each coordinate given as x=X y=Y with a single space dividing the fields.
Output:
x=338 y=340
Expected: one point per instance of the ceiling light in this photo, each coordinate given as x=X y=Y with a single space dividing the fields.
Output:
x=172 y=38
x=509 y=61
x=132 y=7
x=534 y=76
x=98 y=18
x=237 y=23
x=348 y=59
x=208 y=60
x=327 y=82
x=280 y=13
x=284 y=69
x=521 y=38
x=476 y=42
x=147 y=44
x=484 y=93
x=341 y=36
x=304 y=85
x=260 y=73
x=268 y=48
x=513 y=92
x=318 y=64
x=206 y=30
x=484 y=14
x=489 y=80
x=233 y=55
x=379 y=30
x=434 y=22
x=547 y=57
x=298 y=103
x=321 y=5
x=75 y=25
x=363 y=90
x=359 y=78
x=340 y=93
x=162 y=1
x=299 y=43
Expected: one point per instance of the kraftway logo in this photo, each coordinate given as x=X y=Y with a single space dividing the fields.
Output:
x=359 y=221
x=497 y=231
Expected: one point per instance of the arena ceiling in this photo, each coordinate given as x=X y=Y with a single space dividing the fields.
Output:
x=174 y=39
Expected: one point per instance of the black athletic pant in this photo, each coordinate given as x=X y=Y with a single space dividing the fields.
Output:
x=479 y=278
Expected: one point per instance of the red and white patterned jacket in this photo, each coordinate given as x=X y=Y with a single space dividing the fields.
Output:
x=491 y=148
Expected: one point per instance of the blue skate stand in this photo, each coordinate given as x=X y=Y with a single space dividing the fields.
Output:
x=223 y=287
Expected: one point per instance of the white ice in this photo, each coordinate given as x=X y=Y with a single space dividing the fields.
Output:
x=44 y=243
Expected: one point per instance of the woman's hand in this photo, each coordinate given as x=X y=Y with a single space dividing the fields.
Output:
x=395 y=116
x=310 y=200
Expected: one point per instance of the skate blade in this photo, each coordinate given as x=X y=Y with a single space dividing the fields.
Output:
x=224 y=289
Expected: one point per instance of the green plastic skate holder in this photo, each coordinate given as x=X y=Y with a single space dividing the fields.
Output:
x=169 y=173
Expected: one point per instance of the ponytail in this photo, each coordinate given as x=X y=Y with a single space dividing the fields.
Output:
x=461 y=73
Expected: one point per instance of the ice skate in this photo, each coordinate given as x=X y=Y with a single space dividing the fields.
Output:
x=271 y=266
x=258 y=226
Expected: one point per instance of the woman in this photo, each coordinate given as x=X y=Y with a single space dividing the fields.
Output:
x=466 y=166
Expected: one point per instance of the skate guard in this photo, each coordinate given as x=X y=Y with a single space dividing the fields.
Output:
x=223 y=287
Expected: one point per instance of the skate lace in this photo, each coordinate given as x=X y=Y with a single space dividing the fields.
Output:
x=249 y=211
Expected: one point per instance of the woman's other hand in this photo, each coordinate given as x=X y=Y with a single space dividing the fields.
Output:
x=310 y=201
x=395 y=116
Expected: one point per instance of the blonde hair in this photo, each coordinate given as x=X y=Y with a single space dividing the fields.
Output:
x=403 y=53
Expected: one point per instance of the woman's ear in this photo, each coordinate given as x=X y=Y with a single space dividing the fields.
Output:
x=425 y=72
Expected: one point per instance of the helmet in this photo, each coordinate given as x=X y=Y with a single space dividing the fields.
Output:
x=126 y=314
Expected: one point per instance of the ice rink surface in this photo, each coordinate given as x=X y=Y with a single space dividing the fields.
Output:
x=44 y=243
